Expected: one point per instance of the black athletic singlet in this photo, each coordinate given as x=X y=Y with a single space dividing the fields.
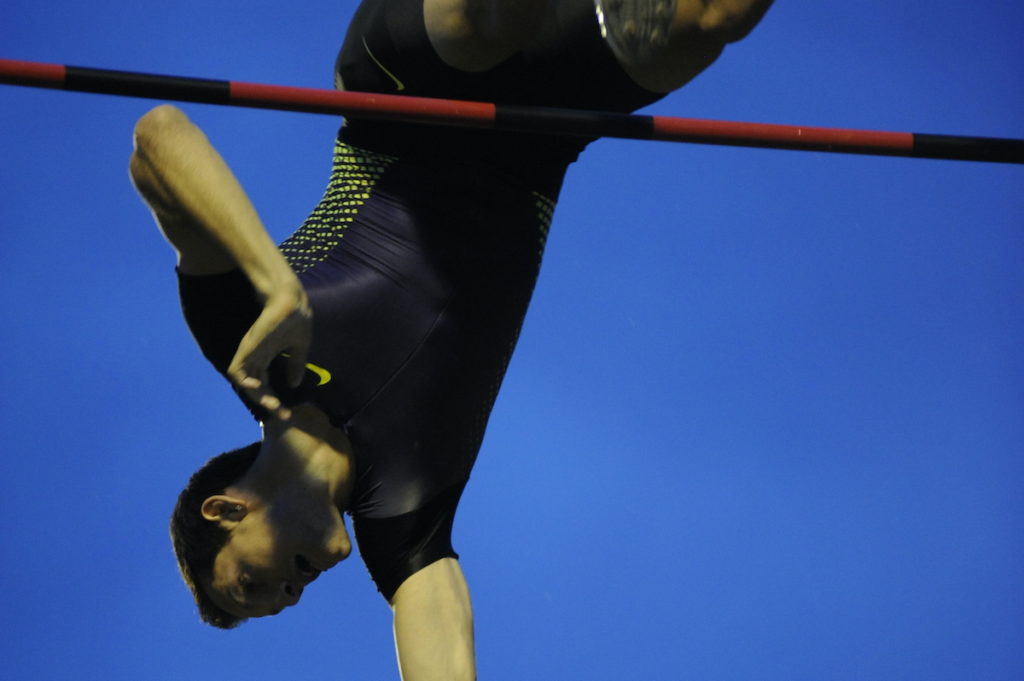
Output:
x=419 y=263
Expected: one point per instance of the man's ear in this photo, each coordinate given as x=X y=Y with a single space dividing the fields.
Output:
x=222 y=508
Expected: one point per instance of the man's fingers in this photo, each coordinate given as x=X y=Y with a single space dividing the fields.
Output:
x=283 y=328
x=255 y=387
x=249 y=383
x=257 y=393
x=273 y=406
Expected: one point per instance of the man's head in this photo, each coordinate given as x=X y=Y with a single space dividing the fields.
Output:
x=245 y=555
x=197 y=541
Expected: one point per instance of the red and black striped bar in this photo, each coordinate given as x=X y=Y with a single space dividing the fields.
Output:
x=503 y=117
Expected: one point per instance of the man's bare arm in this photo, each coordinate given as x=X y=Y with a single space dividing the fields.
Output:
x=434 y=625
x=207 y=217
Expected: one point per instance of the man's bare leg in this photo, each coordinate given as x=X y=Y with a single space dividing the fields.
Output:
x=476 y=35
x=433 y=619
x=434 y=625
x=677 y=38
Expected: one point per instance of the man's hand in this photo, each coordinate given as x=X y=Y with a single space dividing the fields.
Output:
x=206 y=215
x=285 y=327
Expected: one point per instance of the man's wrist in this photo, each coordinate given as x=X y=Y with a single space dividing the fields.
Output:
x=279 y=282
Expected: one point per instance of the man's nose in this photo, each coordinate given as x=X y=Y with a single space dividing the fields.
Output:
x=337 y=548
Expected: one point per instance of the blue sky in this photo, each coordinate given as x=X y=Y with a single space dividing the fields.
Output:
x=764 y=422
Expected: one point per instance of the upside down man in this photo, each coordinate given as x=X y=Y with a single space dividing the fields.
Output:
x=371 y=343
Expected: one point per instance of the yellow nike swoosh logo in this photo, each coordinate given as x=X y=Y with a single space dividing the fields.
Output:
x=323 y=374
x=398 y=84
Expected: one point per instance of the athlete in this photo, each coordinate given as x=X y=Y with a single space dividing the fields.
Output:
x=370 y=345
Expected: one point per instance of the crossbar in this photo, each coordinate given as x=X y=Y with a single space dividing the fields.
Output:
x=508 y=117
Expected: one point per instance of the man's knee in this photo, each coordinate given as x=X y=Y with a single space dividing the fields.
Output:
x=476 y=35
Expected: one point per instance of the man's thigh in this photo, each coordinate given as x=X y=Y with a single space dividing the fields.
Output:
x=566 y=62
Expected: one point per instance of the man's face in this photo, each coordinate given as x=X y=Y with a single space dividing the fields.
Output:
x=270 y=557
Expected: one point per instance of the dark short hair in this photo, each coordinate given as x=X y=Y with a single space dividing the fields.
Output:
x=196 y=540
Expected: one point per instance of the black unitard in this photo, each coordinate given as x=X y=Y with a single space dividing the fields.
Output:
x=419 y=263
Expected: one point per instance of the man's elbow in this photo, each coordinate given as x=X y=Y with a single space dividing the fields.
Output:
x=154 y=132
x=157 y=124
